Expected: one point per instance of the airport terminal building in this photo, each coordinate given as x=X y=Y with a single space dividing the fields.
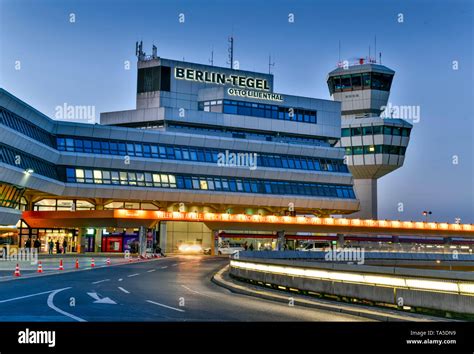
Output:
x=202 y=138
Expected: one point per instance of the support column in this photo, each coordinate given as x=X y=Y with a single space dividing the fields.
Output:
x=215 y=242
x=98 y=240
x=163 y=236
x=366 y=192
x=81 y=240
x=281 y=240
x=340 y=240
x=142 y=241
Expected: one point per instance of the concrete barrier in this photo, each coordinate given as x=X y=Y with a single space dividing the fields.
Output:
x=438 y=290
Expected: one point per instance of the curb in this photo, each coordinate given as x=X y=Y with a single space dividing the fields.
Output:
x=59 y=272
x=218 y=279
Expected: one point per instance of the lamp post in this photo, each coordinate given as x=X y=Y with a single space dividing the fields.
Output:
x=426 y=213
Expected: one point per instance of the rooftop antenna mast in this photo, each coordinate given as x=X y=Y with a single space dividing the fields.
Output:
x=231 y=52
x=270 y=64
x=211 y=60
x=375 y=49
x=154 y=52
x=339 y=51
x=139 y=50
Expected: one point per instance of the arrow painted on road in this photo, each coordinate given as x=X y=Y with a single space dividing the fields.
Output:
x=104 y=300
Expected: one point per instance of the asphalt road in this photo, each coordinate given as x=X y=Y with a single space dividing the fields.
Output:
x=167 y=289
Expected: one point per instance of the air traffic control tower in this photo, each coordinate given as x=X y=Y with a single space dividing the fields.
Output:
x=374 y=145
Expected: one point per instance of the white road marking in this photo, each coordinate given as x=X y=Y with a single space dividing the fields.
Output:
x=120 y=279
x=52 y=306
x=168 y=307
x=27 y=296
x=164 y=267
x=151 y=270
x=124 y=290
x=100 y=281
x=133 y=275
x=104 y=300
x=174 y=265
x=194 y=291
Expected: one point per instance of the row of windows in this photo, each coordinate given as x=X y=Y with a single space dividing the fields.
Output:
x=352 y=82
x=259 y=110
x=193 y=154
x=25 y=127
x=284 y=138
x=227 y=184
x=10 y=196
x=376 y=129
x=376 y=149
x=19 y=159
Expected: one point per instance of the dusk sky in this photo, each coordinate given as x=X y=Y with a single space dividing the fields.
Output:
x=82 y=63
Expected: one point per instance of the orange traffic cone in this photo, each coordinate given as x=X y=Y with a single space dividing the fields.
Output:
x=40 y=267
x=77 y=263
x=61 y=264
x=92 y=263
x=108 y=261
x=17 y=270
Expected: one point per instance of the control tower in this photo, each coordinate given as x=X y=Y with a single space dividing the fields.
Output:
x=374 y=145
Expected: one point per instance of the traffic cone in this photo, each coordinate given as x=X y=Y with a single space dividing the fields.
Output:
x=61 y=264
x=92 y=263
x=77 y=263
x=40 y=267
x=17 y=270
x=108 y=261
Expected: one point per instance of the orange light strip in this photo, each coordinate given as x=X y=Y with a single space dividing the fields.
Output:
x=293 y=220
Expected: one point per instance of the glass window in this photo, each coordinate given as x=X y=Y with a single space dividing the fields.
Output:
x=387 y=130
x=346 y=82
x=367 y=130
x=396 y=131
x=356 y=131
x=97 y=176
x=356 y=81
x=377 y=129
x=346 y=132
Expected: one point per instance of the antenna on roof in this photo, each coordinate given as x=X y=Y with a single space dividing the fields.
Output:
x=211 y=60
x=375 y=49
x=231 y=52
x=154 y=52
x=380 y=58
x=270 y=64
x=139 y=50
x=369 y=53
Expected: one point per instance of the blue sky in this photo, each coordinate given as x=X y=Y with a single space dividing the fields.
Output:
x=82 y=63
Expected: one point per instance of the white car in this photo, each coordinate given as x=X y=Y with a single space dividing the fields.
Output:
x=229 y=249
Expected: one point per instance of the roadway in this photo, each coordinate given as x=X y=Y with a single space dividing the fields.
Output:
x=167 y=289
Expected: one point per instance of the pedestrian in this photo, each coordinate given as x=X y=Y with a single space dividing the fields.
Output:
x=51 y=246
x=37 y=244
x=58 y=250
x=251 y=247
x=28 y=243
x=64 y=246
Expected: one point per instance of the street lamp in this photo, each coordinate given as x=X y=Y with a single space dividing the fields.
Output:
x=426 y=213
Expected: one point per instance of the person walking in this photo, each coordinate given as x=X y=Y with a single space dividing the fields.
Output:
x=37 y=244
x=51 y=246
x=64 y=246
x=28 y=243
x=58 y=250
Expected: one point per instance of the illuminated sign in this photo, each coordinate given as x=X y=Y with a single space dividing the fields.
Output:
x=210 y=77
x=255 y=94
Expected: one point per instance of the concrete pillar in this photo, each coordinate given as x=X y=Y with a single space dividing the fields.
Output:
x=142 y=241
x=215 y=242
x=340 y=240
x=163 y=236
x=366 y=192
x=98 y=240
x=81 y=240
x=281 y=240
